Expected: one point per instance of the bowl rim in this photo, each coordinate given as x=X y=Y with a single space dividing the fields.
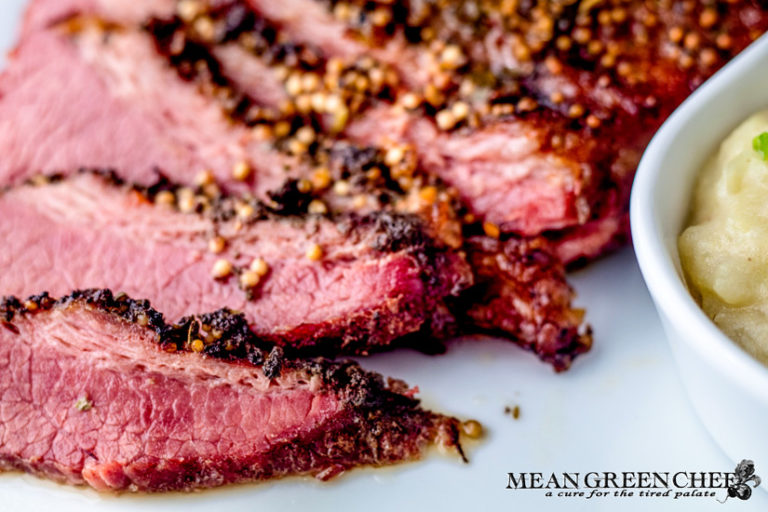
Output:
x=665 y=284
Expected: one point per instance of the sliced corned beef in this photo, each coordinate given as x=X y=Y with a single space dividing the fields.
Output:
x=349 y=284
x=99 y=390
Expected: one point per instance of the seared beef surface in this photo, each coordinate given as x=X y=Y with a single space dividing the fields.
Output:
x=536 y=113
x=513 y=120
x=99 y=390
x=127 y=87
x=526 y=273
x=376 y=278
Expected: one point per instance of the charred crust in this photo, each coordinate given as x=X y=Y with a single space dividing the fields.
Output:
x=274 y=363
x=231 y=324
x=361 y=388
x=397 y=232
x=289 y=200
x=226 y=335
x=41 y=300
x=133 y=311
x=162 y=184
x=9 y=306
x=353 y=161
x=109 y=175
x=524 y=270
x=41 y=179
x=237 y=20
x=224 y=210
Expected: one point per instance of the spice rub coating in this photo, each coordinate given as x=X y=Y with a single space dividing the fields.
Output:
x=376 y=279
x=213 y=156
x=526 y=272
x=562 y=97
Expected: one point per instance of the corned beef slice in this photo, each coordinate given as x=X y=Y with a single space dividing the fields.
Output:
x=132 y=111
x=377 y=279
x=99 y=390
x=577 y=89
x=123 y=108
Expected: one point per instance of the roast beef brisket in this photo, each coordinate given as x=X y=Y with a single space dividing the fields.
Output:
x=525 y=119
x=99 y=390
x=324 y=176
x=127 y=87
x=535 y=112
x=349 y=284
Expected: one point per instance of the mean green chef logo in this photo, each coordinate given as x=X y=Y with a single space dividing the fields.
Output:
x=642 y=484
x=745 y=473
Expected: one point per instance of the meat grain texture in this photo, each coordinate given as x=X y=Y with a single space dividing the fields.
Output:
x=171 y=125
x=99 y=390
x=523 y=122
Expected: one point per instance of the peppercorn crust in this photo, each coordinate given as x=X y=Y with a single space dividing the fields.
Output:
x=589 y=81
x=351 y=172
x=579 y=86
x=356 y=283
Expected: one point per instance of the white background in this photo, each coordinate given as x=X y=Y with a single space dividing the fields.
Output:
x=620 y=408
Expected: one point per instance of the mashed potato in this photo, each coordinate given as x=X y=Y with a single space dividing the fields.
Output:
x=724 y=249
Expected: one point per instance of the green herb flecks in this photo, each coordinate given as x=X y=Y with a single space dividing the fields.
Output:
x=760 y=144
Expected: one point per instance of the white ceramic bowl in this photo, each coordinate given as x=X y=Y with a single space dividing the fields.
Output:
x=728 y=388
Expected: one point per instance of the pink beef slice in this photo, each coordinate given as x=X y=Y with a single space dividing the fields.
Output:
x=123 y=108
x=377 y=280
x=42 y=14
x=178 y=141
x=528 y=171
x=98 y=390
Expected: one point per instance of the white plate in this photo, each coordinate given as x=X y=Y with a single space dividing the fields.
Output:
x=620 y=408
